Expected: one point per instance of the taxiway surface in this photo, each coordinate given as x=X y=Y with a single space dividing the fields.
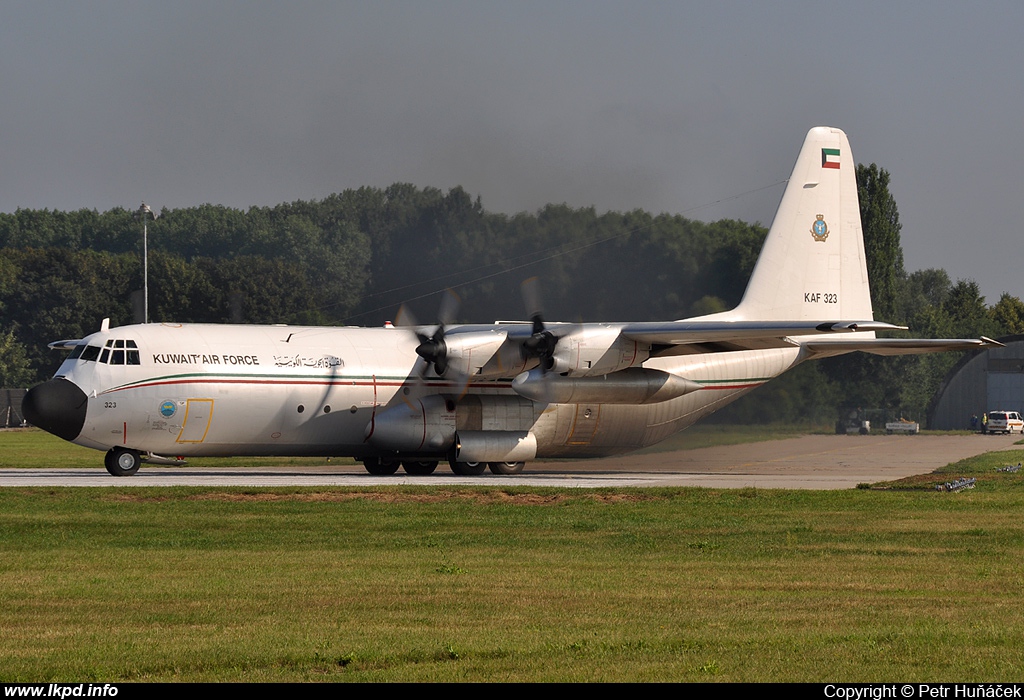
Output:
x=808 y=462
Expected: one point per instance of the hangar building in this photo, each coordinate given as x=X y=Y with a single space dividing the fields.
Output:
x=986 y=380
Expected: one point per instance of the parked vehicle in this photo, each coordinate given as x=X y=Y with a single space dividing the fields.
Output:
x=1005 y=422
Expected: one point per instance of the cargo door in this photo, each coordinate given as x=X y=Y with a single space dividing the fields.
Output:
x=198 y=413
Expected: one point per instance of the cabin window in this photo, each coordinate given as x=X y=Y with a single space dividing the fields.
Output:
x=77 y=352
x=117 y=357
x=90 y=353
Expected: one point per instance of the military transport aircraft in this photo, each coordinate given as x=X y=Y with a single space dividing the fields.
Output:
x=480 y=396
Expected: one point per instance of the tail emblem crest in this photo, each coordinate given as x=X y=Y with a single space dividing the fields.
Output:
x=819 y=229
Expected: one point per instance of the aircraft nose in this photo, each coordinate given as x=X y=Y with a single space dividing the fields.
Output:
x=57 y=406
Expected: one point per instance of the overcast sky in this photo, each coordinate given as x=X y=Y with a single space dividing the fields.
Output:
x=691 y=108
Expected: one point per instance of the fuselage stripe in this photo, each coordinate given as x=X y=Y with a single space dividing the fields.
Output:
x=733 y=380
x=348 y=383
x=375 y=382
x=719 y=387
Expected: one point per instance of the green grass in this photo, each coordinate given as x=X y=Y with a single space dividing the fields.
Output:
x=520 y=584
x=483 y=584
x=982 y=467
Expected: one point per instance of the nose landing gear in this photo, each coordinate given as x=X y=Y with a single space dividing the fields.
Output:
x=122 y=462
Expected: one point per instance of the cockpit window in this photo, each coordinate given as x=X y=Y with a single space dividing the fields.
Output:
x=115 y=352
x=132 y=353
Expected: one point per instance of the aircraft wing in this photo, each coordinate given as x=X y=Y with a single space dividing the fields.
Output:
x=673 y=337
x=683 y=337
x=63 y=344
x=898 y=346
x=695 y=332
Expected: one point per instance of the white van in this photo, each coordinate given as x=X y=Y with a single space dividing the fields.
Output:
x=1005 y=422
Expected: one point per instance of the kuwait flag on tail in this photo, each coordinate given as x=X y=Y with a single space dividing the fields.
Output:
x=830 y=158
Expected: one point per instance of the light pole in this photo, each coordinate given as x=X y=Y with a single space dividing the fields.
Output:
x=142 y=214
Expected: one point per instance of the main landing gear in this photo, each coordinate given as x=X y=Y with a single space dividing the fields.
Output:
x=469 y=468
x=419 y=468
x=386 y=467
x=122 y=462
x=381 y=467
x=506 y=468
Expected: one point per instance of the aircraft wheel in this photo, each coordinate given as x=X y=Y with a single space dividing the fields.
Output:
x=469 y=468
x=419 y=468
x=380 y=467
x=122 y=462
x=506 y=467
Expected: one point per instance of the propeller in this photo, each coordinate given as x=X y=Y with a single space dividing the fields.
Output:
x=541 y=344
x=432 y=348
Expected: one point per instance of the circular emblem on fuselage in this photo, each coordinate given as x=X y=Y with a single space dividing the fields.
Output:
x=167 y=409
x=819 y=229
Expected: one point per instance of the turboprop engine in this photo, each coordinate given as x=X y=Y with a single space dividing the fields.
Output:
x=467 y=354
x=591 y=352
x=463 y=355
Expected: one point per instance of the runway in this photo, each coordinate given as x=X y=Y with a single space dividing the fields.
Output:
x=810 y=462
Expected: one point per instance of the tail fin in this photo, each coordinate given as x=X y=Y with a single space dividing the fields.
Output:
x=812 y=266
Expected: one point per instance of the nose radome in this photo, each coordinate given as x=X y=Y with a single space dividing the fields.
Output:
x=57 y=406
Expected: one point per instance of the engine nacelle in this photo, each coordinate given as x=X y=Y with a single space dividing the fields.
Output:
x=473 y=354
x=421 y=426
x=591 y=352
x=508 y=361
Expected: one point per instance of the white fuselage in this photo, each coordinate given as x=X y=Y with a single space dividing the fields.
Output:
x=282 y=390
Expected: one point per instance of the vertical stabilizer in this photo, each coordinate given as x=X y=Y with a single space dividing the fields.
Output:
x=812 y=266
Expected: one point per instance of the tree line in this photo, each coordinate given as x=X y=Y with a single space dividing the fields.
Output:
x=356 y=256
